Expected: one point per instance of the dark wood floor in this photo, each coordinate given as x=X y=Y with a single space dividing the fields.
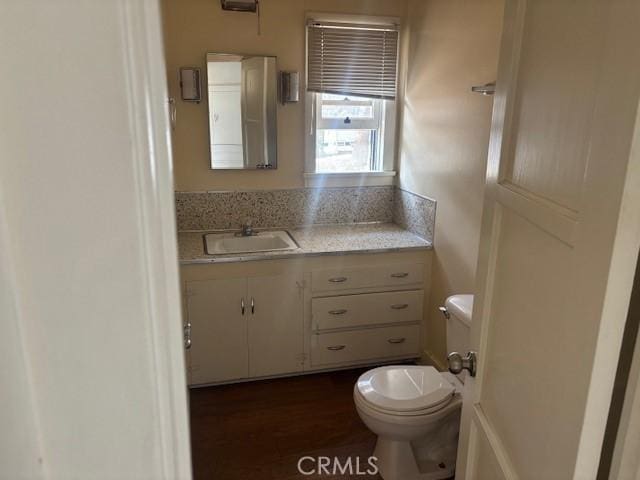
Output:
x=259 y=430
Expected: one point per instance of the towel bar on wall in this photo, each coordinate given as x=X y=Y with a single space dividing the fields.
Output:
x=486 y=89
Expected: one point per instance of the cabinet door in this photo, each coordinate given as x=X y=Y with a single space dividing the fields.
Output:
x=275 y=325
x=218 y=330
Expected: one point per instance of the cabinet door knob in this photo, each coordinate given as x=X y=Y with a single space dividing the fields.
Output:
x=399 y=275
x=253 y=306
x=338 y=279
x=341 y=311
x=335 y=348
x=396 y=340
x=399 y=306
x=242 y=305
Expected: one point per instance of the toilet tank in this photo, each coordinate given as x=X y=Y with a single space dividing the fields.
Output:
x=459 y=308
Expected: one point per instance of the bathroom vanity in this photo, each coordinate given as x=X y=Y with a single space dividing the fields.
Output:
x=349 y=295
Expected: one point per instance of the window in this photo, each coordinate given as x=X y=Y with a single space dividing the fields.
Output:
x=351 y=97
x=348 y=133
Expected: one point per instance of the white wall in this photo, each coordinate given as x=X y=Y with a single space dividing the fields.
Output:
x=91 y=317
x=453 y=44
x=194 y=27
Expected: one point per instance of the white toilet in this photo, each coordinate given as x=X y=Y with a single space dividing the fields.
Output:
x=415 y=410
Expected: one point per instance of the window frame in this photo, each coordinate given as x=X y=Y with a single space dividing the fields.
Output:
x=372 y=123
x=384 y=160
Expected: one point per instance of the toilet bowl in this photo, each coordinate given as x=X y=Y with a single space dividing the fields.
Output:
x=415 y=410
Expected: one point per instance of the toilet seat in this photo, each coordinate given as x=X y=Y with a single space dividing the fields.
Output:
x=404 y=390
x=427 y=412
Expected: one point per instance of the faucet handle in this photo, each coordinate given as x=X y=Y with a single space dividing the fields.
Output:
x=247 y=229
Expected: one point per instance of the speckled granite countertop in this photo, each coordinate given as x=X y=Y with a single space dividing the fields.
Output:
x=314 y=240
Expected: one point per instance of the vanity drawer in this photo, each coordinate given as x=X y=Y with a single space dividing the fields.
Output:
x=367 y=277
x=368 y=344
x=367 y=309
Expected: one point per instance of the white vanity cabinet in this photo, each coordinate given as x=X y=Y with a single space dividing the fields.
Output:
x=366 y=313
x=276 y=317
x=367 y=309
x=244 y=327
x=365 y=345
x=275 y=325
x=219 y=348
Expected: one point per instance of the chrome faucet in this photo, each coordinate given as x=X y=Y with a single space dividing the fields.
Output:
x=247 y=230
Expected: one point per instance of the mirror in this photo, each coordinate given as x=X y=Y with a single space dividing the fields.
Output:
x=242 y=94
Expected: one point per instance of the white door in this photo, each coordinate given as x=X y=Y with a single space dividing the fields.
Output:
x=225 y=126
x=254 y=91
x=217 y=311
x=275 y=325
x=559 y=241
x=225 y=113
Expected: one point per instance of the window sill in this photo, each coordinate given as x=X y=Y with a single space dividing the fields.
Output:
x=356 y=179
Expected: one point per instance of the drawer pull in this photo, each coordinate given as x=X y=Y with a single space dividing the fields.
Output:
x=342 y=311
x=399 y=306
x=335 y=348
x=396 y=340
x=338 y=279
x=399 y=275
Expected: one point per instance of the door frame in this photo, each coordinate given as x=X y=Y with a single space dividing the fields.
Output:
x=148 y=109
x=134 y=33
x=620 y=457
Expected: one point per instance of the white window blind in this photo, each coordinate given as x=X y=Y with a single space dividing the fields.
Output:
x=348 y=59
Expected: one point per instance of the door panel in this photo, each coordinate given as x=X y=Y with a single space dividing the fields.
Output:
x=218 y=330
x=522 y=330
x=226 y=116
x=488 y=467
x=275 y=325
x=558 y=72
x=557 y=249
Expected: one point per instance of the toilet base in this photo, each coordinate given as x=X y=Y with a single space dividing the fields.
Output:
x=397 y=461
x=422 y=446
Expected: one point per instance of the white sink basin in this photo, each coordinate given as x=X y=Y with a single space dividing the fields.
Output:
x=225 y=243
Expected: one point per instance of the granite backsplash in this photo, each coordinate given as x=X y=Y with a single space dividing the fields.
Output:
x=414 y=213
x=289 y=208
